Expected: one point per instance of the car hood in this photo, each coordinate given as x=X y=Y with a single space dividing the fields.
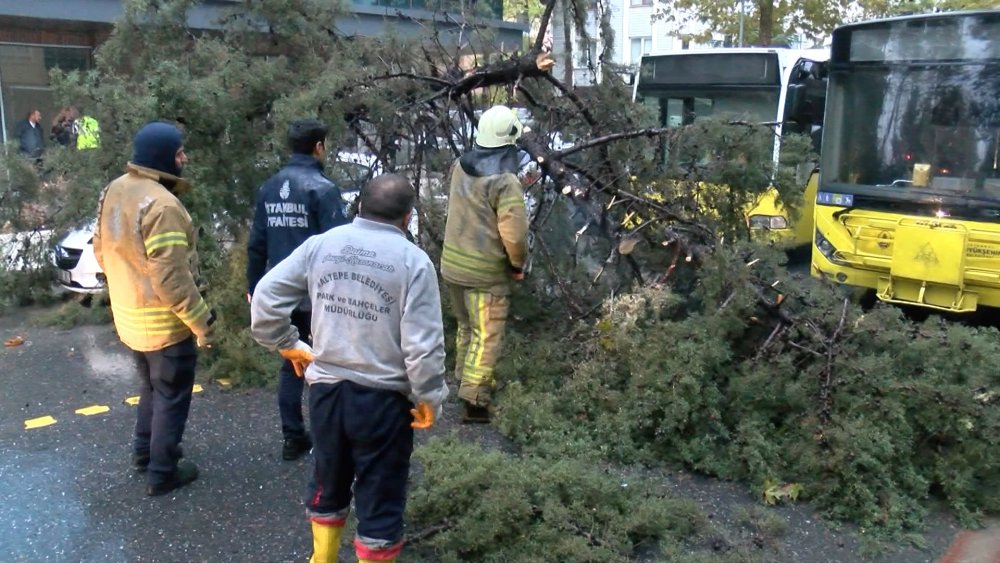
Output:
x=80 y=236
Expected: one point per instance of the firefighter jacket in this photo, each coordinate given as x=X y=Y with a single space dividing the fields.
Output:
x=146 y=245
x=293 y=205
x=486 y=232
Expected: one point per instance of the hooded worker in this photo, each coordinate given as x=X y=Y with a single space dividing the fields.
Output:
x=485 y=248
x=146 y=245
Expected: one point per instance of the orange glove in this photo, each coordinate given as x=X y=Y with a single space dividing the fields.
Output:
x=301 y=355
x=424 y=416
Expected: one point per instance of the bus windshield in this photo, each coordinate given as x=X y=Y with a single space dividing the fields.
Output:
x=684 y=107
x=906 y=119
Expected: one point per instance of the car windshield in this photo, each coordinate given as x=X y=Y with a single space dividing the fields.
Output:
x=928 y=128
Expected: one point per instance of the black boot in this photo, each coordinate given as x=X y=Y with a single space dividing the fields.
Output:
x=294 y=448
x=140 y=462
x=475 y=414
x=185 y=473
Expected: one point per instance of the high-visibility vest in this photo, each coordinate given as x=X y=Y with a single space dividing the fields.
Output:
x=88 y=134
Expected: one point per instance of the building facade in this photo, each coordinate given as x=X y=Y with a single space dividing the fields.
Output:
x=637 y=32
x=639 y=29
x=39 y=35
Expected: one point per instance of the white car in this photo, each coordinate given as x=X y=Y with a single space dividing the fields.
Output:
x=76 y=266
x=352 y=170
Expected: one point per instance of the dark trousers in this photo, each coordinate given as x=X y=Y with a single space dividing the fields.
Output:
x=166 y=378
x=290 y=386
x=364 y=434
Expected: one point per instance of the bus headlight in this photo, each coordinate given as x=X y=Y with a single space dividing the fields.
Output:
x=826 y=248
x=768 y=222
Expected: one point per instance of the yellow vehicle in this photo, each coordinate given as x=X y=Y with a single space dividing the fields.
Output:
x=783 y=87
x=909 y=195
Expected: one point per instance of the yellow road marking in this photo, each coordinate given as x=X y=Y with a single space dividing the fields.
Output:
x=39 y=422
x=93 y=409
x=197 y=388
x=132 y=401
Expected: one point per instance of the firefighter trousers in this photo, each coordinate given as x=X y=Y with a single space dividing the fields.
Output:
x=166 y=381
x=481 y=313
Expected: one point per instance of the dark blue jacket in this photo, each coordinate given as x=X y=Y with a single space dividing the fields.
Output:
x=31 y=138
x=293 y=205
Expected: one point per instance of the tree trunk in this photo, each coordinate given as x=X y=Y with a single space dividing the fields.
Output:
x=567 y=43
x=765 y=34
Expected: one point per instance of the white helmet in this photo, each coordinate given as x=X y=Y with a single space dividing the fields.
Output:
x=498 y=127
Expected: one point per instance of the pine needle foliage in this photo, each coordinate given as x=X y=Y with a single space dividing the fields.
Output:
x=870 y=414
x=473 y=505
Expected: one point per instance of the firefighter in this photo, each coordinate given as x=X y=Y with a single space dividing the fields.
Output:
x=146 y=245
x=485 y=247
x=377 y=349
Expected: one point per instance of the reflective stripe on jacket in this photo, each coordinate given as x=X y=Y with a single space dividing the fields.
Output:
x=146 y=245
x=486 y=232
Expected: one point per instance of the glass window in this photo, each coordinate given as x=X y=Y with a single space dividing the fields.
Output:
x=944 y=38
x=24 y=79
x=586 y=50
x=916 y=127
x=691 y=69
x=685 y=108
x=640 y=46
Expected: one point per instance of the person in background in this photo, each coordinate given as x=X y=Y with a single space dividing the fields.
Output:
x=293 y=205
x=147 y=247
x=29 y=135
x=62 y=131
x=87 y=132
x=378 y=349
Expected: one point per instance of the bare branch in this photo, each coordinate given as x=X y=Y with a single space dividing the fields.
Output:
x=598 y=141
x=571 y=95
x=543 y=26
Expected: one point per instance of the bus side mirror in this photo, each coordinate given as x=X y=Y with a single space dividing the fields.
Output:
x=795 y=102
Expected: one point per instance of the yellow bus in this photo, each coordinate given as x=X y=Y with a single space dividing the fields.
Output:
x=758 y=84
x=909 y=192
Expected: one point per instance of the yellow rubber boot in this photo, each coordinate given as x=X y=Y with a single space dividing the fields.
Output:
x=326 y=542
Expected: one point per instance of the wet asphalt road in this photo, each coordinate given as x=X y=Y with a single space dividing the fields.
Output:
x=67 y=491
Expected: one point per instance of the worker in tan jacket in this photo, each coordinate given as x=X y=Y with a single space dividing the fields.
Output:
x=146 y=245
x=485 y=247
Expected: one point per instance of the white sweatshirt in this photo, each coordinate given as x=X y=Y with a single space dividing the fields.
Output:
x=376 y=310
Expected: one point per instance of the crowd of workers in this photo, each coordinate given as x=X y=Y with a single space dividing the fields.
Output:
x=352 y=306
x=69 y=128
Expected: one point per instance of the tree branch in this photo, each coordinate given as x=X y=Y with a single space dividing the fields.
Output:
x=597 y=141
x=543 y=26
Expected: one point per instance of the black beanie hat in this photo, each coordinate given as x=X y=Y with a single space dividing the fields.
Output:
x=155 y=147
